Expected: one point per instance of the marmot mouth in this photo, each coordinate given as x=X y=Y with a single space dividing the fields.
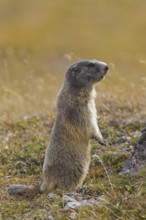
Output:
x=104 y=74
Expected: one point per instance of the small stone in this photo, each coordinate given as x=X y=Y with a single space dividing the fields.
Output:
x=97 y=200
x=72 y=205
x=50 y=217
x=6 y=147
x=53 y=196
x=85 y=202
x=6 y=139
x=69 y=199
x=73 y=215
x=128 y=138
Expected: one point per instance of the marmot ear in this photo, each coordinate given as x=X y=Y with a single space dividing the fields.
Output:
x=75 y=70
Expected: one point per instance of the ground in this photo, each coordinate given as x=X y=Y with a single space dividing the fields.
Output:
x=23 y=143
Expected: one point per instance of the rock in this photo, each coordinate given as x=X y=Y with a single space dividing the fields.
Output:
x=53 y=196
x=97 y=200
x=72 y=205
x=137 y=159
x=68 y=199
x=75 y=200
x=85 y=202
x=73 y=215
x=50 y=217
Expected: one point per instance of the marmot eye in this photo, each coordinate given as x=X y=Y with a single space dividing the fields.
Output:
x=91 y=65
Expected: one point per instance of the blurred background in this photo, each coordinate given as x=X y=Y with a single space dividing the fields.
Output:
x=40 y=39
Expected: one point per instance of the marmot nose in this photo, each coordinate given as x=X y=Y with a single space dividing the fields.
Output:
x=106 y=68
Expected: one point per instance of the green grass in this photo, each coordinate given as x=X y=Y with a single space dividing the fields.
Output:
x=23 y=143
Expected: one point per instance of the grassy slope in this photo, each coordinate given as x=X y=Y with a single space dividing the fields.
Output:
x=23 y=144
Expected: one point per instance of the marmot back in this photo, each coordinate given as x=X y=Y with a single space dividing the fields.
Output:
x=67 y=157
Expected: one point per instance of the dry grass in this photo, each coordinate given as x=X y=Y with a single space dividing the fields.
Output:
x=39 y=40
x=30 y=88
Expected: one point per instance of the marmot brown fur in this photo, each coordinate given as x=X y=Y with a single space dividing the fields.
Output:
x=67 y=156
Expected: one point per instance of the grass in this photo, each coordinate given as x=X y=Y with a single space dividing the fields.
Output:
x=23 y=143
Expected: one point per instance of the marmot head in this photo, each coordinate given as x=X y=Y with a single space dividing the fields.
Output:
x=85 y=73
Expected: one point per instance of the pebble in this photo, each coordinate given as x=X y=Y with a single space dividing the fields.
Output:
x=50 y=217
x=73 y=204
x=53 y=196
x=73 y=215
